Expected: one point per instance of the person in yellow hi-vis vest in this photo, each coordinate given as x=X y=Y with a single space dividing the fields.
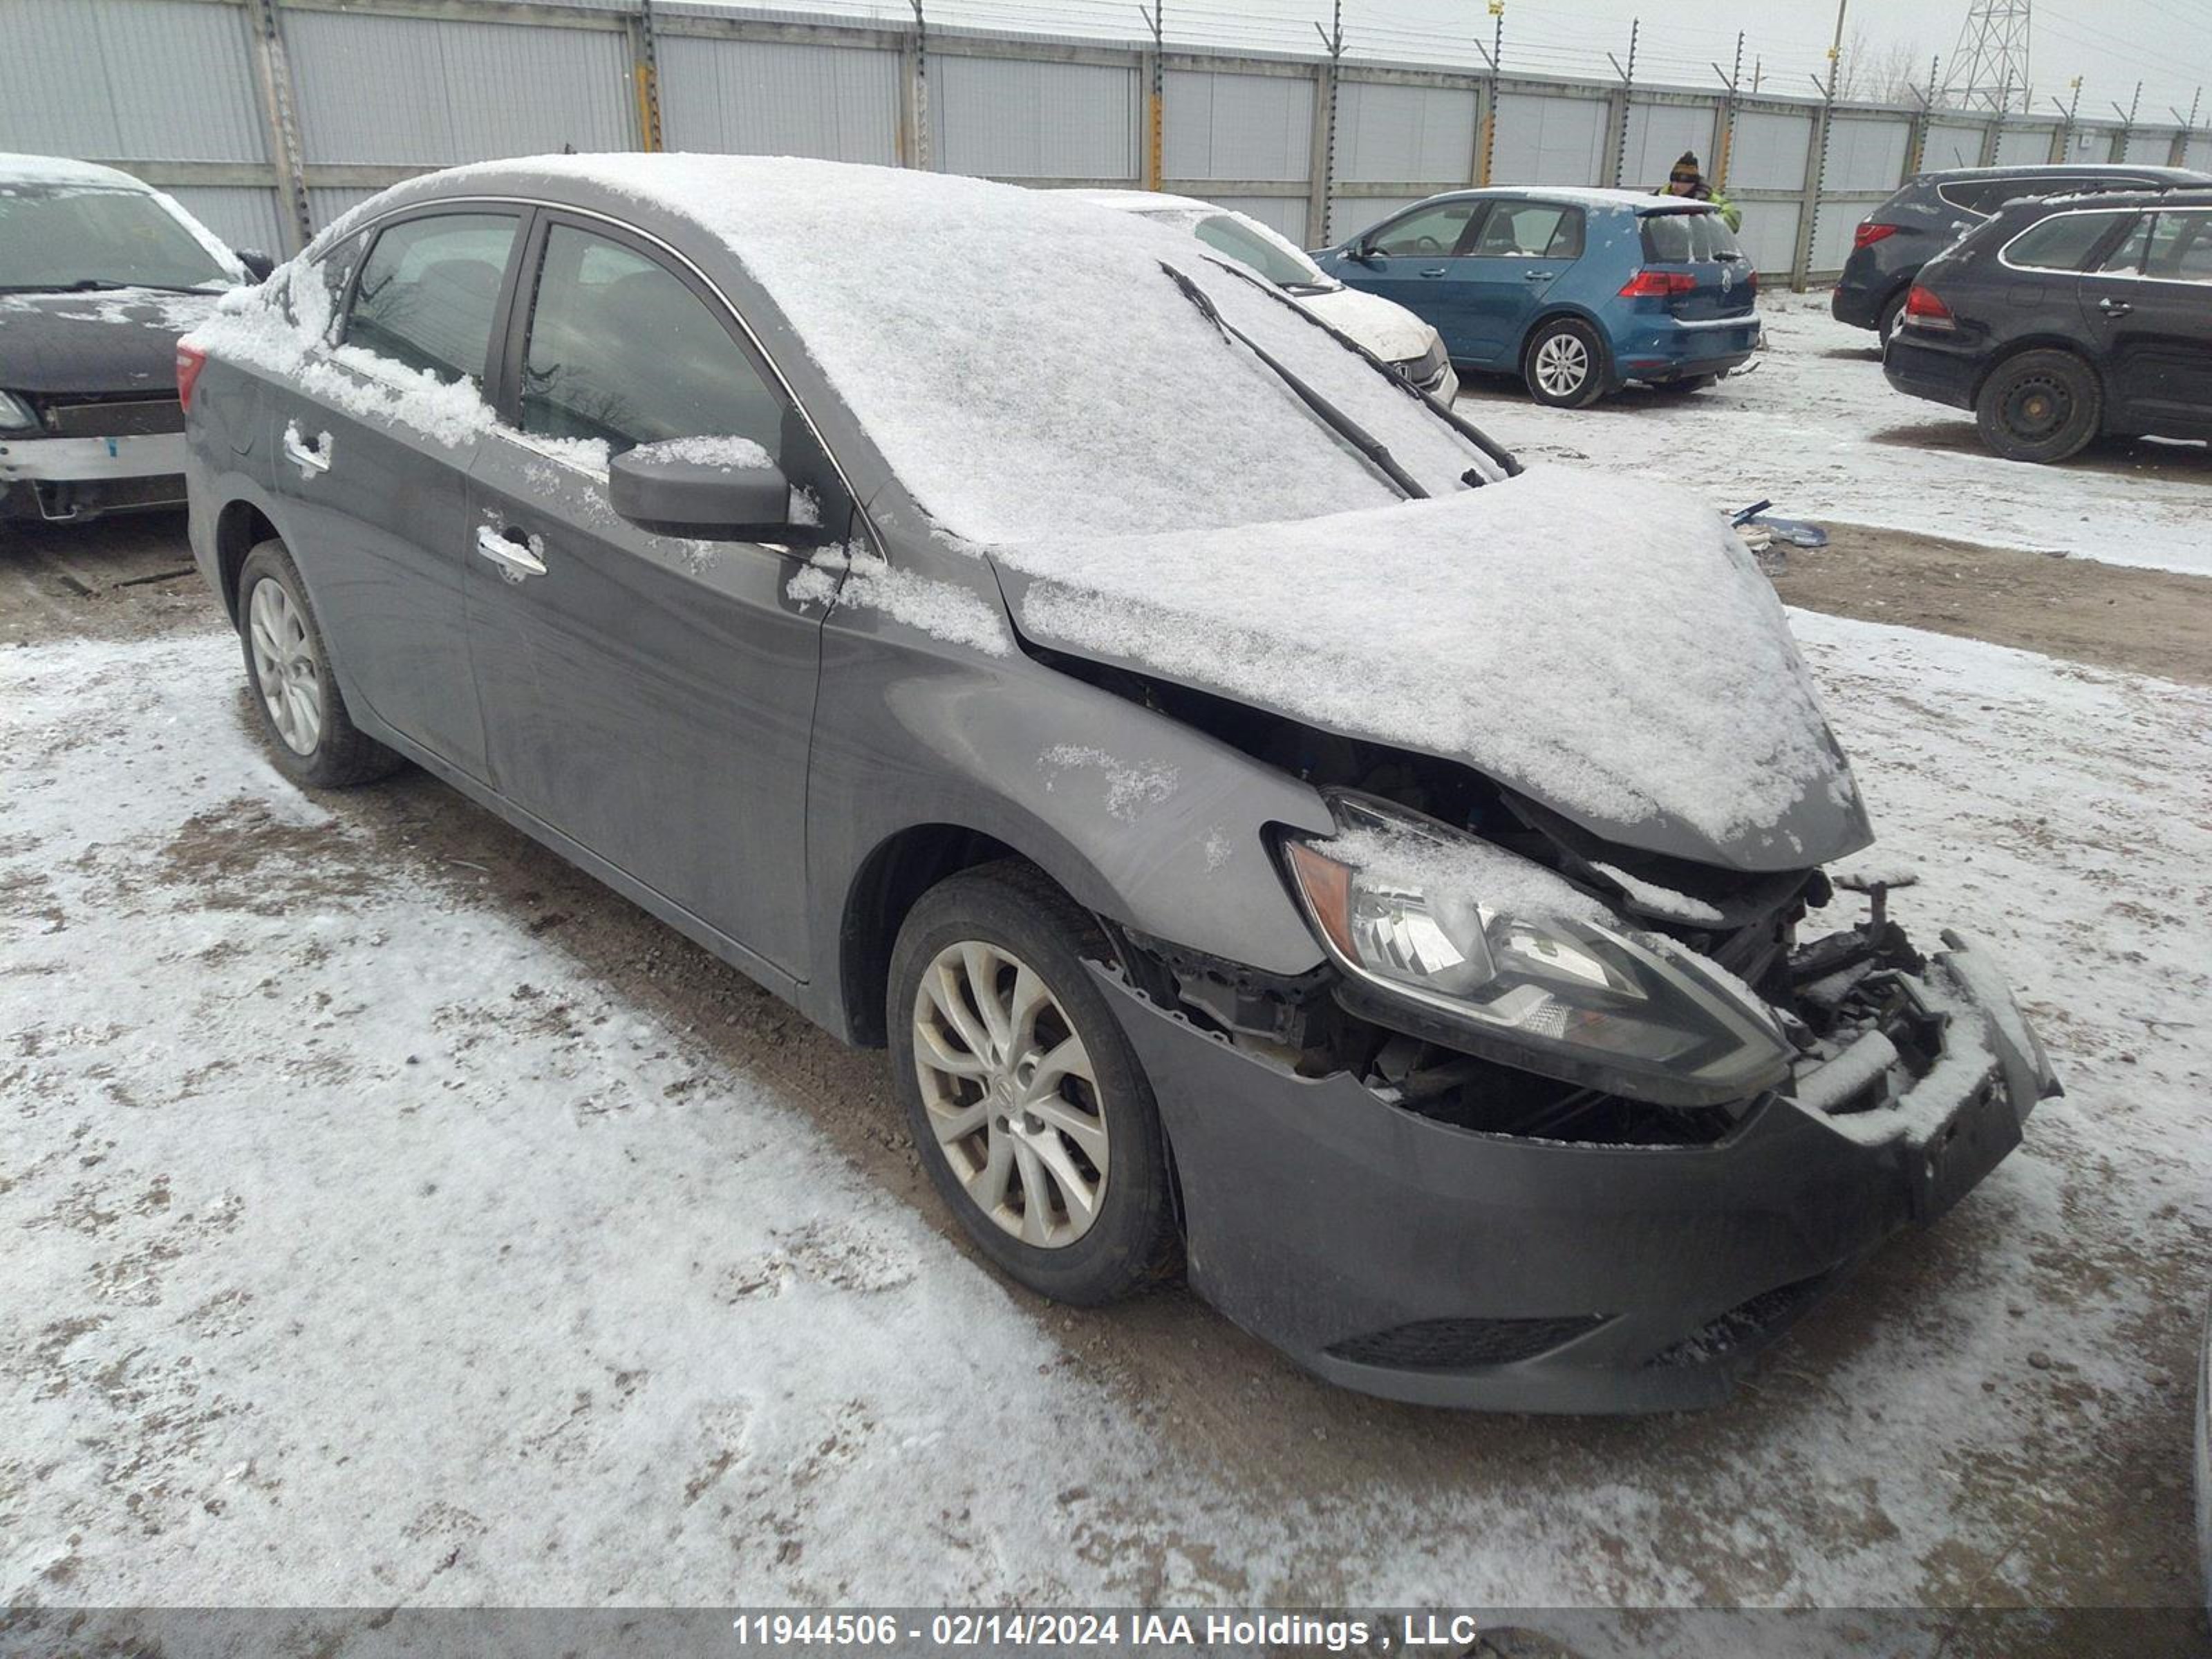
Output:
x=1685 y=180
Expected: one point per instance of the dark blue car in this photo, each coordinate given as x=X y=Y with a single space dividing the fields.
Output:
x=1577 y=291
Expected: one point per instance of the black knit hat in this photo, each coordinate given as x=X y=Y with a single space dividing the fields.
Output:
x=1686 y=170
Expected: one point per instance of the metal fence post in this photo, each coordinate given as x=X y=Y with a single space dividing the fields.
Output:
x=273 y=71
x=1322 y=171
x=1150 y=66
x=645 y=70
x=1808 y=220
x=913 y=96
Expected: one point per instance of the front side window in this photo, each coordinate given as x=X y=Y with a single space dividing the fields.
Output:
x=623 y=351
x=427 y=291
x=2062 y=242
x=54 y=237
x=1429 y=230
x=1530 y=230
x=2181 y=248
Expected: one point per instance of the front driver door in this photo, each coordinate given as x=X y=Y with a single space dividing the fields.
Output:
x=1414 y=259
x=649 y=698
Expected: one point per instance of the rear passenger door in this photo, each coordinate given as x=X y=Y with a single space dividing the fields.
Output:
x=2151 y=307
x=373 y=443
x=650 y=699
x=1515 y=257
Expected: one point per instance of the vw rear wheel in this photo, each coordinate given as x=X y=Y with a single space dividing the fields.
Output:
x=2039 y=406
x=1026 y=1103
x=1564 y=366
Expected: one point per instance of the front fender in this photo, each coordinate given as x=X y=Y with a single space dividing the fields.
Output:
x=1142 y=819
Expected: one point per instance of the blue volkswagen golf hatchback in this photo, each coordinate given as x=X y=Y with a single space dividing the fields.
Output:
x=1578 y=292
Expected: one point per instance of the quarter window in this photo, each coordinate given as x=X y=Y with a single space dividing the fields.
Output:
x=1429 y=230
x=2062 y=242
x=621 y=351
x=427 y=291
x=2181 y=248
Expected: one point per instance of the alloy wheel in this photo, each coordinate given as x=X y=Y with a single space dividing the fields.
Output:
x=1011 y=1094
x=1562 y=365
x=284 y=666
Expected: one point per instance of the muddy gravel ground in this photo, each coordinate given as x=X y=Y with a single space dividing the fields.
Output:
x=2086 y=1505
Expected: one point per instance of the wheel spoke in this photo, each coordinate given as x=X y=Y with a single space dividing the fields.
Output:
x=1075 y=1188
x=944 y=996
x=981 y=963
x=988 y=1185
x=1033 y=996
x=1088 y=1133
x=941 y=1056
x=1068 y=1058
x=957 y=1123
x=1036 y=1193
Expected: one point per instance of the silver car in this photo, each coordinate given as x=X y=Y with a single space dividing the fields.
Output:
x=1276 y=836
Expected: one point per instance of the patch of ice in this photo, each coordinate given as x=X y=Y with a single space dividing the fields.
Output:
x=728 y=453
x=941 y=609
x=1823 y=1088
x=1662 y=901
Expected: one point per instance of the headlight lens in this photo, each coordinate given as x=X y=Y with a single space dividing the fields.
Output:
x=1506 y=959
x=16 y=415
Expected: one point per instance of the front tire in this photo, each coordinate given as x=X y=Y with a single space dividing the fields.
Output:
x=1026 y=1103
x=1564 y=365
x=2042 y=405
x=309 y=734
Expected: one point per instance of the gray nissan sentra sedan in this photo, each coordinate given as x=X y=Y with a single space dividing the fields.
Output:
x=1272 y=833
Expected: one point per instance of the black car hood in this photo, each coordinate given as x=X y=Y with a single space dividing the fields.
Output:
x=106 y=340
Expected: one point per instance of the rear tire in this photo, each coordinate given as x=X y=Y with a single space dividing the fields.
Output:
x=1888 y=324
x=304 y=721
x=1564 y=364
x=1012 y=1133
x=2042 y=405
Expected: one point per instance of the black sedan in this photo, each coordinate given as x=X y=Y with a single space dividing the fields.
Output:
x=2065 y=319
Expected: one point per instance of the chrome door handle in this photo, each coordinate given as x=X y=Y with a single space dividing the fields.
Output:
x=514 y=560
x=2113 y=308
x=1439 y=270
x=1535 y=275
x=317 y=459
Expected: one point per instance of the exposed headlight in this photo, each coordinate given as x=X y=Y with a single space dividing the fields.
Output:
x=16 y=415
x=1426 y=367
x=1491 y=952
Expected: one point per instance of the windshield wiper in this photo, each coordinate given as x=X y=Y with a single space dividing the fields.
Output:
x=1335 y=418
x=99 y=285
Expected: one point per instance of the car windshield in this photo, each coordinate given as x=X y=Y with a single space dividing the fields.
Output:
x=74 y=235
x=1027 y=365
x=1277 y=261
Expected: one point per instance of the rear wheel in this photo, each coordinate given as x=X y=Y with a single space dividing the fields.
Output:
x=1026 y=1103
x=1564 y=364
x=310 y=736
x=2041 y=406
x=1890 y=314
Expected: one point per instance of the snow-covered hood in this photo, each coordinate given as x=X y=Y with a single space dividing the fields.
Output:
x=1383 y=326
x=105 y=341
x=1607 y=647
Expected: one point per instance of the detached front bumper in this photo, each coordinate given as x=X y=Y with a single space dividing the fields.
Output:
x=1406 y=1257
x=64 y=478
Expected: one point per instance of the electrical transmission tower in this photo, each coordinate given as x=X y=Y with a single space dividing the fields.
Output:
x=1989 y=69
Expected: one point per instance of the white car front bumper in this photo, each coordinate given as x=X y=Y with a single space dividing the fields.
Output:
x=85 y=461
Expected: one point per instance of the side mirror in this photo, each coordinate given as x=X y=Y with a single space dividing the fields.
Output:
x=257 y=264
x=715 y=488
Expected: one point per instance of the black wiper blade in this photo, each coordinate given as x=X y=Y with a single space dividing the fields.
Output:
x=1378 y=455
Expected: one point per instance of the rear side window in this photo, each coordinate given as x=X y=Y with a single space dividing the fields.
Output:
x=1530 y=230
x=2181 y=248
x=621 y=351
x=2062 y=242
x=1429 y=230
x=427 y=290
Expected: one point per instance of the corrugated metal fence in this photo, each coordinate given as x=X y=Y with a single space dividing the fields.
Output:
x=268 y=117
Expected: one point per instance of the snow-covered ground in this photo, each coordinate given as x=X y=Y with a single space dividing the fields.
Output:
x=362 y=1245
x=1817 y=429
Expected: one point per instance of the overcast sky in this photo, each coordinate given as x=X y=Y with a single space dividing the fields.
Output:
x=2111 y=44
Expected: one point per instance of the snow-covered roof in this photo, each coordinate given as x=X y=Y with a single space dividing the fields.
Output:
x=1140 y=201
x=61 y=170
x=1022 y=359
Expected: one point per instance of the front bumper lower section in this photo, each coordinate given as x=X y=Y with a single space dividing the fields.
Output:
x=63 y=478
x=1406 y=1257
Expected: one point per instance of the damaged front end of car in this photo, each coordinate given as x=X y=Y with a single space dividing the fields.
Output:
x=1561 y=1124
